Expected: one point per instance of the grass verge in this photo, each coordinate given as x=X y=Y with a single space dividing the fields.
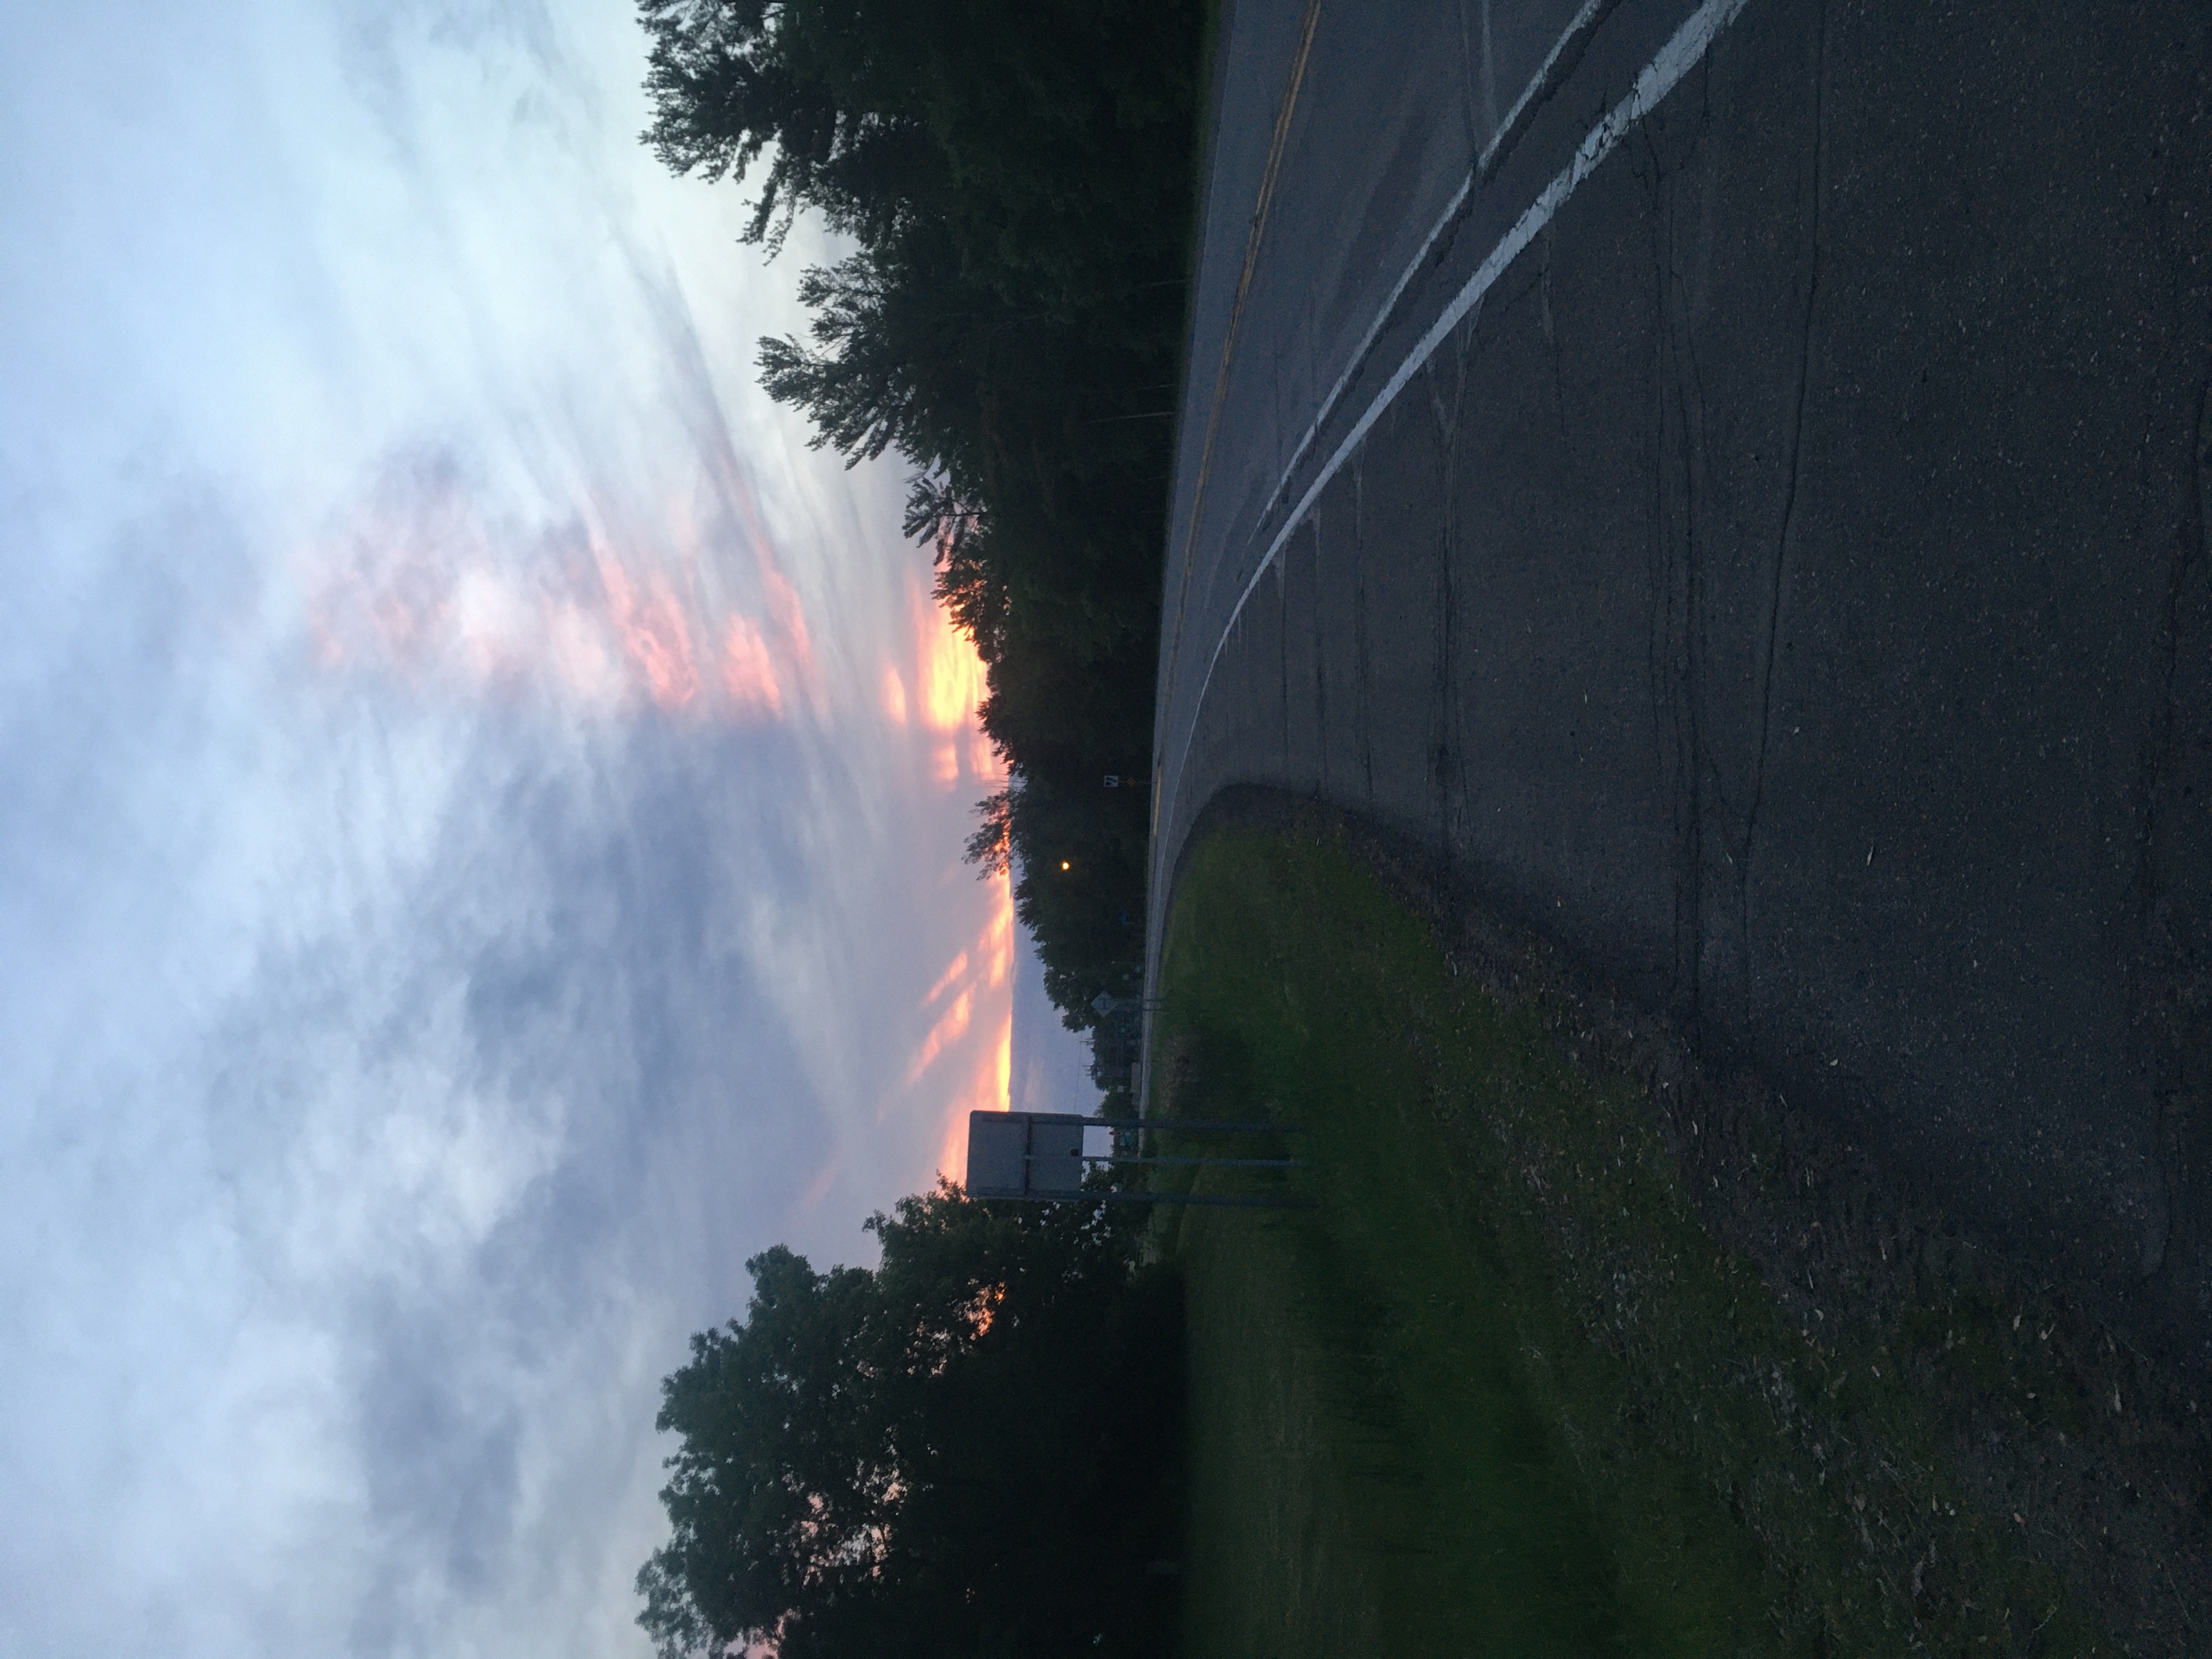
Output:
x=1502 y=1391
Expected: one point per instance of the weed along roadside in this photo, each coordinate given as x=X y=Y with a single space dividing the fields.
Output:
x=1509 y=1387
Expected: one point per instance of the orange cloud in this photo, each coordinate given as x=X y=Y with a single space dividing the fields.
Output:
x=952 y=1156
x=382 y=593
x=894 y=694
x=747 y=671
x=983 y=762
x=785 y=614
x=997 y=947
x=944 y=980
x=790 y=619
x=948 y=672
x=417 y=581
x=987 y=1092
x=1000 y=1079
x=950 y=1027
x=990 y=1080
x=653 y=633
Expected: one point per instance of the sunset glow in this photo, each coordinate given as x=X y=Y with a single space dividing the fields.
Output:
x=973 y=1039
x=998 y=945
x=486 y=799
x=983 y=762
x=420 y=584
x=970 y=1043
x=748 y=670
x=945 y=980
x=654 y=634
x=951 y=1026
x=789 y=617
x=989 y=1051
x=421 y=587
x=950 y=675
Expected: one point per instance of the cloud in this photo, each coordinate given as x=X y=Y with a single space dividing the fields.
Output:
x=535 y=1028
x=468 y=884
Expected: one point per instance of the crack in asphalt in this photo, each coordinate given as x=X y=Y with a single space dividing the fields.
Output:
x=1444 y=751
x=1678 y=340
x=2092 y=619
x=1320 y=667
x=1283 y=656
x=2190 y=548
x=1466 y=76
x=1676 y=517
x=1552 y=334
x=1362 y=717
x=1789 y=507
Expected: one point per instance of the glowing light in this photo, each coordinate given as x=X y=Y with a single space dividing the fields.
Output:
x=984 y=1310
x=945 y=765
x=950 y=673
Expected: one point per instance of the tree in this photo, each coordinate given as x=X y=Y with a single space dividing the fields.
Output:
x=1016 y=177
x=964 y=1452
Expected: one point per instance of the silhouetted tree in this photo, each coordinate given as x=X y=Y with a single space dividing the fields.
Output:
x=1016 y=176
x=964 y=1452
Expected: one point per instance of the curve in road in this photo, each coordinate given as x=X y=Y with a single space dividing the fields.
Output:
x=1730 y=478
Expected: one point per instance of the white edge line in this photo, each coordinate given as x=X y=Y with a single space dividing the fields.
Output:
x=1656 y=79
x=1359 y=352
x=1582 y=21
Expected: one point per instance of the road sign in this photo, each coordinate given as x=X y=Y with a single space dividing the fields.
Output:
x=1038 y=1156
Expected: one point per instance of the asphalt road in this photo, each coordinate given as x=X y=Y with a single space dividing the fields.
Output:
x=1731 y=479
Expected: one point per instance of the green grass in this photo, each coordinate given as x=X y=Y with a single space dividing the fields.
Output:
x=1499 y=1392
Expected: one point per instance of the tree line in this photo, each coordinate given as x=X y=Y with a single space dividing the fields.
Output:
x=968 y=1452
x=1015 y=181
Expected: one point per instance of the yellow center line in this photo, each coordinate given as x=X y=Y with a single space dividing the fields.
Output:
x=1276 y=145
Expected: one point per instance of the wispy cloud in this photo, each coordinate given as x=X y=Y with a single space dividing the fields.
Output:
x=471 y=880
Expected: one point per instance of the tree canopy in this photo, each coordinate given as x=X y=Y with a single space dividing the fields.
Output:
x=966 y=1451
x=1017 y=180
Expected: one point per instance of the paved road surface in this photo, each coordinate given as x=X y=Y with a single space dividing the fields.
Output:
x=1731 y=479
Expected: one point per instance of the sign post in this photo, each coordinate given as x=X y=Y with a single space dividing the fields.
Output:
x=1038 y=1158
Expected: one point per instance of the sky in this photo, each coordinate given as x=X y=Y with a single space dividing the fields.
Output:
x=480 y=810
